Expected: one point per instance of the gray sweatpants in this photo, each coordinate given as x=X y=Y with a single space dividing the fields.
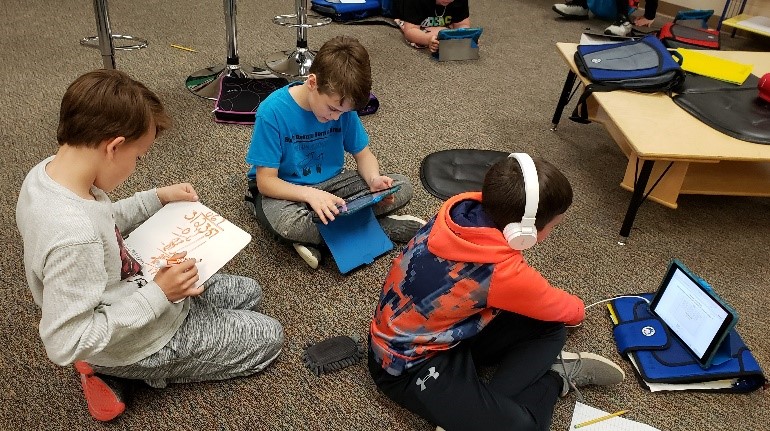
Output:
x=222 y=337
x=293 y=221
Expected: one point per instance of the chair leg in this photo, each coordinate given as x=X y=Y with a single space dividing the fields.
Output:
x=104 y=40
x=106 y=46
x=297 y=62
x=205 y=82
x=291 y=63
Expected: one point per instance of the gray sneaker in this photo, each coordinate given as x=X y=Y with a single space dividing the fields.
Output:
x=401 y=228
x=583 y=369
x=571 y=10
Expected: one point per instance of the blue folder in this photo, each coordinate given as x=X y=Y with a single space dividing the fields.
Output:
x=661 y=357
x=355 y=239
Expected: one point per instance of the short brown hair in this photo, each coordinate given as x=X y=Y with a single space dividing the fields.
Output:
x=105 y=104
x=503 y=196
x=342 y=68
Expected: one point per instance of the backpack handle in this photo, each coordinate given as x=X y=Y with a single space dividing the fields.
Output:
x=677 y=56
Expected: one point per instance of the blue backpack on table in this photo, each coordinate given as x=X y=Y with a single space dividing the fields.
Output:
x=644 y=65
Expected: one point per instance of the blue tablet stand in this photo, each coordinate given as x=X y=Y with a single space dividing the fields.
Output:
x=355 y=239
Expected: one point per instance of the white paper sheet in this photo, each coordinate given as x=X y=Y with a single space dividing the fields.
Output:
x=585 y=412
x=710 y=385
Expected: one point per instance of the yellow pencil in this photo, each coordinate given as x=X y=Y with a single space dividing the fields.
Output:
x=613 y=316
x=183 y=48
x=601 y=418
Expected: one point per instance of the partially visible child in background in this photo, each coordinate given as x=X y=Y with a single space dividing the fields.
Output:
x=79 y=271
x=421 y=20
x=578 y=9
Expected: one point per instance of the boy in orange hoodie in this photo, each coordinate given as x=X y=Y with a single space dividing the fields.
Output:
x=461 y=295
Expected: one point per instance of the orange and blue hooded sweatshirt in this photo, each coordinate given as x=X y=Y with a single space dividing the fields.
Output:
x=451 y=280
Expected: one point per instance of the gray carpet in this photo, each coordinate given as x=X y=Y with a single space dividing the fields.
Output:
x=502 y=102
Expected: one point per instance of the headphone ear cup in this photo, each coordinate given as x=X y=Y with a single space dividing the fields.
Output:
x=520 y=237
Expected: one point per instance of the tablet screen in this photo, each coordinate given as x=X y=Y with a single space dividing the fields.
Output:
x=368 y=199
x=693 y=312
x=360 y=202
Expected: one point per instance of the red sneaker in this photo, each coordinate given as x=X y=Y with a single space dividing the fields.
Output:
x=103 y=395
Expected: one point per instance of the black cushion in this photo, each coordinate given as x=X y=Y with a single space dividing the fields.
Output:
x=449 y=172
x=734 y=110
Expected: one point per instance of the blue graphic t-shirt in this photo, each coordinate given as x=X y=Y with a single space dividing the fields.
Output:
x=304 y=150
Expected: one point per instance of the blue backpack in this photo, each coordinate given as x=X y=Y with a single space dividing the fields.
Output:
x=643 y=65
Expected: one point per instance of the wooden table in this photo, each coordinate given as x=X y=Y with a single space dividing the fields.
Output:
x=682 y=154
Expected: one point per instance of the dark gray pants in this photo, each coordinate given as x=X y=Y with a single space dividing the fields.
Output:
x=293 y=221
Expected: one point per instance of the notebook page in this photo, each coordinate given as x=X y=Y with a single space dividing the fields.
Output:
x=585 y=412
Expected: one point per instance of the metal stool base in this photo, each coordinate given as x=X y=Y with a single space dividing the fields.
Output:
x=205 y=83
x=291 y=63
x=93 y=42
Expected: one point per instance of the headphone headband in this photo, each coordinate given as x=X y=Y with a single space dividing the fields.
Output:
x=531 y=188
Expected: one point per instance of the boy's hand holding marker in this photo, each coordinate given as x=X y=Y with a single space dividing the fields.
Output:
x=163 y=263
x=178 y=277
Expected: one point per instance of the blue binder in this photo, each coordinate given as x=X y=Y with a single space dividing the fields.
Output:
x=661 y=357
x=355 y=239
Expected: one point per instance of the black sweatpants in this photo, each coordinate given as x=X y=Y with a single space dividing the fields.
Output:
x=447 y=390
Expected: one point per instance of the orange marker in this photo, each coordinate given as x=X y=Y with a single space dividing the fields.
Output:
x=163 y=263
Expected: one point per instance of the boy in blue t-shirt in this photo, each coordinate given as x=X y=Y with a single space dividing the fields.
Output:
x=297 y=153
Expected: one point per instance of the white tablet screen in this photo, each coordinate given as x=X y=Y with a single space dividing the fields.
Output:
x=691 y=313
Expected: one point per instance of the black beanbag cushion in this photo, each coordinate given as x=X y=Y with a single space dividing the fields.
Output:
x=734 y=110
x=449 y=172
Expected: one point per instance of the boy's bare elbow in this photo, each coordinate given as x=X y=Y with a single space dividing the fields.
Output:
x=265 y=181
x=261 y=188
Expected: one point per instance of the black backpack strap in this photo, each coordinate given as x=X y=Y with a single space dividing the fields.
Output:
x=580 y=113
x=375 y=20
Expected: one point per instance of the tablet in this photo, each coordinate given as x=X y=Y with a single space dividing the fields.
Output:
x=367 y=200
x=360 y=202
x=458 y=44
x=693 y=312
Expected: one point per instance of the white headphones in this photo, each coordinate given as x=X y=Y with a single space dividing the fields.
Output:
x=523 y=235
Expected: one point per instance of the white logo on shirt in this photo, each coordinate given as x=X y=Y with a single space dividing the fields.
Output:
x=431 y=373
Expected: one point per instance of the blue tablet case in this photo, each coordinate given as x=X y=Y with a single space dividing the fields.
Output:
x=662 y=358
x=355 y=239
x=458 y=44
